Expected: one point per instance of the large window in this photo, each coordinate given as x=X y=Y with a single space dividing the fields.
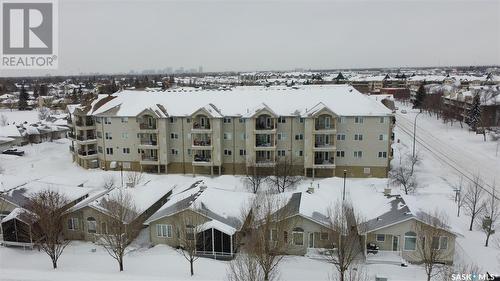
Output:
x=298 y=236
x=73 y=223
x=91 y=225
x=410 y=241
x=164 y=230
x=380 y=237
x=439 y=243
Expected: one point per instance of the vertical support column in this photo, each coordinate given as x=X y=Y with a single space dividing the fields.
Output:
x=213 y=244
x=231 y=244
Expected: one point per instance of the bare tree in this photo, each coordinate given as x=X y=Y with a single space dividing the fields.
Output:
x=109 y=182
x=244 y=268
x=285 y=176
x=3 y=120
x=45 y=210
x=266 y=233
x=473 y=200
x=120 y=228
x=134 y=178
x=43 y=113
x=403 y=175
x=254 y=179
x=432 y=246
x=459 y=195
x=343 y=226
x=187 y=225
x=356 y=272
x=490 y=216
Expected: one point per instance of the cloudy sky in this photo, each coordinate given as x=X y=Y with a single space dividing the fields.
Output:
x=118 y=36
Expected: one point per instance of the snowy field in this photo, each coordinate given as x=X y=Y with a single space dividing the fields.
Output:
x=50 y=164
x=18 y=117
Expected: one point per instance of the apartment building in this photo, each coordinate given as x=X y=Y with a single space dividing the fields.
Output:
x=319 y=130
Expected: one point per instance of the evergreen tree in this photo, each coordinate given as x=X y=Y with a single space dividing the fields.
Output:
x=23 y=99
x=35 y=91
x=74 y=97
x=474 y=115
x=419 y=97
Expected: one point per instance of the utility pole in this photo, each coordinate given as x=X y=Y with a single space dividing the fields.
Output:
x=343 y=193
x=415 y=132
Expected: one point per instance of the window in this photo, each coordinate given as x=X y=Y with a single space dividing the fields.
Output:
x=340 y=153
x=91 y=225
x=410 y=241
x=124 y=119
x=99 y=135
x=358 y=137
x=382 y=120
x=358 y=120
x=174 y=136
x=439 y=243
x=358 y=154
x=323 y=236
x=164 y=230
x=73 y=223
x=99 y=149
x=173 y=119
x=189 y=151
x=285 y=236
x=281 y=153
x=126 y=165
x=174 y=151
x=340 y=137
x=107 y=120
x=189 y=232
x=380 y=237
x=342 y=120
x=109 y=150
x=228 y=136
x=227 y=120
x=298 y=236
x=327 y=122
x=301 y=120
x=188 y=120
x=243 y=152
x=242 y=120
x=126 y=150
x=299 y=137
x=367 y=170
x=98 y=120
x=124 y=135
x=227 y=152
x=109 y=136
x=382 y=137
x=274 y=235
x=281 y=119
x=243 y=136
x=281 y=136
x=382 y=154
x=299 y=153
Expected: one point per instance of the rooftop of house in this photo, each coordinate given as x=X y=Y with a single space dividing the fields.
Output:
x=343 y=100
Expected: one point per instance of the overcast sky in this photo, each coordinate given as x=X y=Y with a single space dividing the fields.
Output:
x=119 y=36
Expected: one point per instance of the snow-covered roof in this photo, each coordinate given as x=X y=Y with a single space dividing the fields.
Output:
x=344 y=100
x=9 y=131
x=221 y=206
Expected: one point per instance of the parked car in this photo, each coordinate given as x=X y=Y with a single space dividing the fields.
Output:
x=403 y=111
x=13 y=152
x=372 y=248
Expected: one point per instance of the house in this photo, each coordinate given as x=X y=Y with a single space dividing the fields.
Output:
x=396 y=233
x=12 y=203
x=12 y=132
x=88 y=218
x=215 y=216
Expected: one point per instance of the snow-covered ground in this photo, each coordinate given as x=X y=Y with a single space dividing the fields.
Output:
x=18 y=117
x=449 y=152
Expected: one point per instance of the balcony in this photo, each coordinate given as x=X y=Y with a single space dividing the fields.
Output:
x=147 y=126
x=202 y=142
x=324 y=162
x=202 y=158
x=324 y=146
x=148 y=143
x=149 y=159
x=72 y=136
x=201 y=127
x=84 y=124
x=265 y=162
x=87 y=154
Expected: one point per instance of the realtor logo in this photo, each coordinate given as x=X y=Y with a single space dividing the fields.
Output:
x=29 y=34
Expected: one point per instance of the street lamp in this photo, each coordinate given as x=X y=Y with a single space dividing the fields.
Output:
x=343 y=193
x=415 y=132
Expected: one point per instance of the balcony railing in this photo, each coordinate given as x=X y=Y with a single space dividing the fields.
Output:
x=86 y=153
x=201 y=127
x=264 y=160
x=148 y=142
x=149 y=158
x=207 y=142
x=199 y=158
x=81 y=123
x=264 y=144
x=322 y=161
x=86 y=138
x=323 y=126
x=323 y=144
x=144 y=126
x=263 y=126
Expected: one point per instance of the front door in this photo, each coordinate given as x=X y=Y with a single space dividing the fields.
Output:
x=311 y=240
x=395 y=243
